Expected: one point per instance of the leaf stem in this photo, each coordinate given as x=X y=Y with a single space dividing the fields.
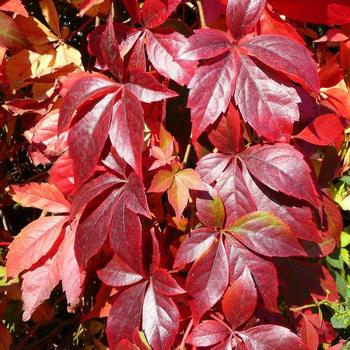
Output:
x=187 y=332
x=187 y=152
x=202 y=21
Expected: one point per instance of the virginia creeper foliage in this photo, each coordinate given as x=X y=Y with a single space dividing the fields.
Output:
x=185 y=153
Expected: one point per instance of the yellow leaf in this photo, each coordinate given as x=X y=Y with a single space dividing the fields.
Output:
x=92 y=8
x=49 y=11
x=66 y=55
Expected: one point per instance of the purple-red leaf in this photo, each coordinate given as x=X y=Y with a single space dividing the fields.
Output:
x=164 y=284
x=93 y=230
x=207 y=280
x=243 y=15
x=118 y=274
x=163 y=50
x=266 y=103
x=126 y=237
x=285 y=55
x=240 y=299
x=84 y=90
x=147 y=88
x=125 y=314
x=240 y=257
x=235 y=194
x=160 y=319
x=204 y=44
x=211 y=89
x=282 y=168
x=126 y=131
x=266 y=234
x=87 y=138
x=110 y=50
x=156 y=12
x=195 y=244
x=267 y=337
x=208 y=333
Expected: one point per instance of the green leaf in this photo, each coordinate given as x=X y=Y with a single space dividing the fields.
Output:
x=345 y=237
x=336 y=260
x=346 y=179
x=3 y=278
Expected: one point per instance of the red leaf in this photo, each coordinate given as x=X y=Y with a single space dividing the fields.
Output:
x=126 y=236
x=72 y=278
x=118 y=274
x=44 y=138
x=204 y=44
x=163 y=50
x=311 y=277
x=83 y=91
x=40 y=195
x=282 y=168
x=163 y=283
x=271 y=23
x=10 y=35
x=208 y=333
x=133 y=8
x=242 y=16
x=267 y=337
x=308 y=334
x=195 y=244
x=207 y=280
x=126 y=131
x=323 y=131
x=125 y=314
x=147 y=88
x=156 y=12
x=87 y=138
x=240 y=299
x=110 y=50
x=15 y=6
x=270 y=107
x=37 y=286
x=33 y=242
x=211 y=89
x=328 y=12
x=240 y=258
x=284 y=54
x=61 y=174
x=265 y=234
x=160 y=319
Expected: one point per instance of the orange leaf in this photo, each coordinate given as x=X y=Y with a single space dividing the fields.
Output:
x=33 y=242
x=43 y=196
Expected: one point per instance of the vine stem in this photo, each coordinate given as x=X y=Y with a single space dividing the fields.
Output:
x=187 y=152
x=202 y=21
